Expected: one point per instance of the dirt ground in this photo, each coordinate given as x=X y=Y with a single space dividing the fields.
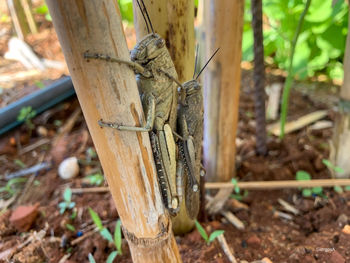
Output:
x=313 y=235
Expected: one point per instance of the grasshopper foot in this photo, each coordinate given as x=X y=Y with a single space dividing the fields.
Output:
x=108 y=124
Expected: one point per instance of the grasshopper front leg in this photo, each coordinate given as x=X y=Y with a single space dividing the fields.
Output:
x=149 y=107
x=133 y=65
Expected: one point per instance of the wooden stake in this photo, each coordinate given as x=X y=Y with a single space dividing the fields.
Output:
x=108 y=91
x=264 y=185
x=223 y=25
x=174 y=21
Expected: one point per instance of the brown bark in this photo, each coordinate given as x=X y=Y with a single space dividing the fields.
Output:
x=109 y=91
x=224 y=25
x=340 y=144
x=174 y=21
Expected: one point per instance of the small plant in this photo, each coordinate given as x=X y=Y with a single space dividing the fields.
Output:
x=26 y=114
x=19 y=163
x=117 y=240
x=94 y=179
x=44 y=10
x=9 y=188
x=332 y=167
x=203 y=233
x=70 y=227
x=237 y=195
x=67 y=203
x=306 y=192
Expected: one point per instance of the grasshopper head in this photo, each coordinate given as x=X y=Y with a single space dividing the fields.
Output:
x=148 y=48
x=192 y=87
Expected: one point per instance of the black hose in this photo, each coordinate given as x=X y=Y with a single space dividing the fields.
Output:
x=40 y=101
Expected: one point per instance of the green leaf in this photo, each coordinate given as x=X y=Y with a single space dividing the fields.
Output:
x=347 y=188
x=306 y=192
x=338 y=189
x=20 y=163
x=70 y=227
x=327 y=163
x=201 y=231
x=214 y=235
x=338 y=170
x=43 y=9
x=118 y=236
x=106 y=235
x=96 y=219
x=317 y=190
x=111 y=257
x=91 y=258
x=303 y=176
x=67 y=195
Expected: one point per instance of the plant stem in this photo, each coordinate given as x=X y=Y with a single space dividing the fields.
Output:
x=289 y=80
x=259 y=77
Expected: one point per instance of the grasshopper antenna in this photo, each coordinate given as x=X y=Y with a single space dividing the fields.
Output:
x=144 y=18
x=195 y=61
x=206 y=64
x=149 y=20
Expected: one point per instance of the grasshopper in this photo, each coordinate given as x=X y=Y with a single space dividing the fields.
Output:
x=190 y=127
x=157 y=82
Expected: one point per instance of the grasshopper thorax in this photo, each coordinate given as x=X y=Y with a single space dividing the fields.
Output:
x=150 y=47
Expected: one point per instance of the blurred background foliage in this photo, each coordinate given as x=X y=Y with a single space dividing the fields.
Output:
x=321 y=43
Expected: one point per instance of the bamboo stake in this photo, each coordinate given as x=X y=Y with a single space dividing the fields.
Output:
x=224 y=25
x=264 y=185
x=108 y=90
x=174 y=21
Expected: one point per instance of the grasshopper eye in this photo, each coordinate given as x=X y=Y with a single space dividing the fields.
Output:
x=160 y=43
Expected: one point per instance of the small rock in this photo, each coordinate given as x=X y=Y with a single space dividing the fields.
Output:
x=336 y=258
x=23 y=217
x=346 y=229
x=266 y=260
x=253 y=241
x=69 y=168
x=42 y=131
x=342 y=220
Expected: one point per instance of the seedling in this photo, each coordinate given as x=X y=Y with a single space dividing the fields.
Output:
x=9 y=188
x=26 y=114
x=117 y=240
x=306 y=192
x=237 y=190
x=70 y=227
x=20 y=163
x=94 y=179
x=331 y=167
x=67 y=203
x=203 y=233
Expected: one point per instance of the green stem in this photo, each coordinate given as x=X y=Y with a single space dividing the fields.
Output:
x=289 y=80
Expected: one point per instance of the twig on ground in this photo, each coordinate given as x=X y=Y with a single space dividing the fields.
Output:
x=282 y=215
x=233 y=219
x=288 y=207
x=217 y=203
x=222 y=241
x=64 y=258
x=34 y=146
x=90 y=190
x=83 y=237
